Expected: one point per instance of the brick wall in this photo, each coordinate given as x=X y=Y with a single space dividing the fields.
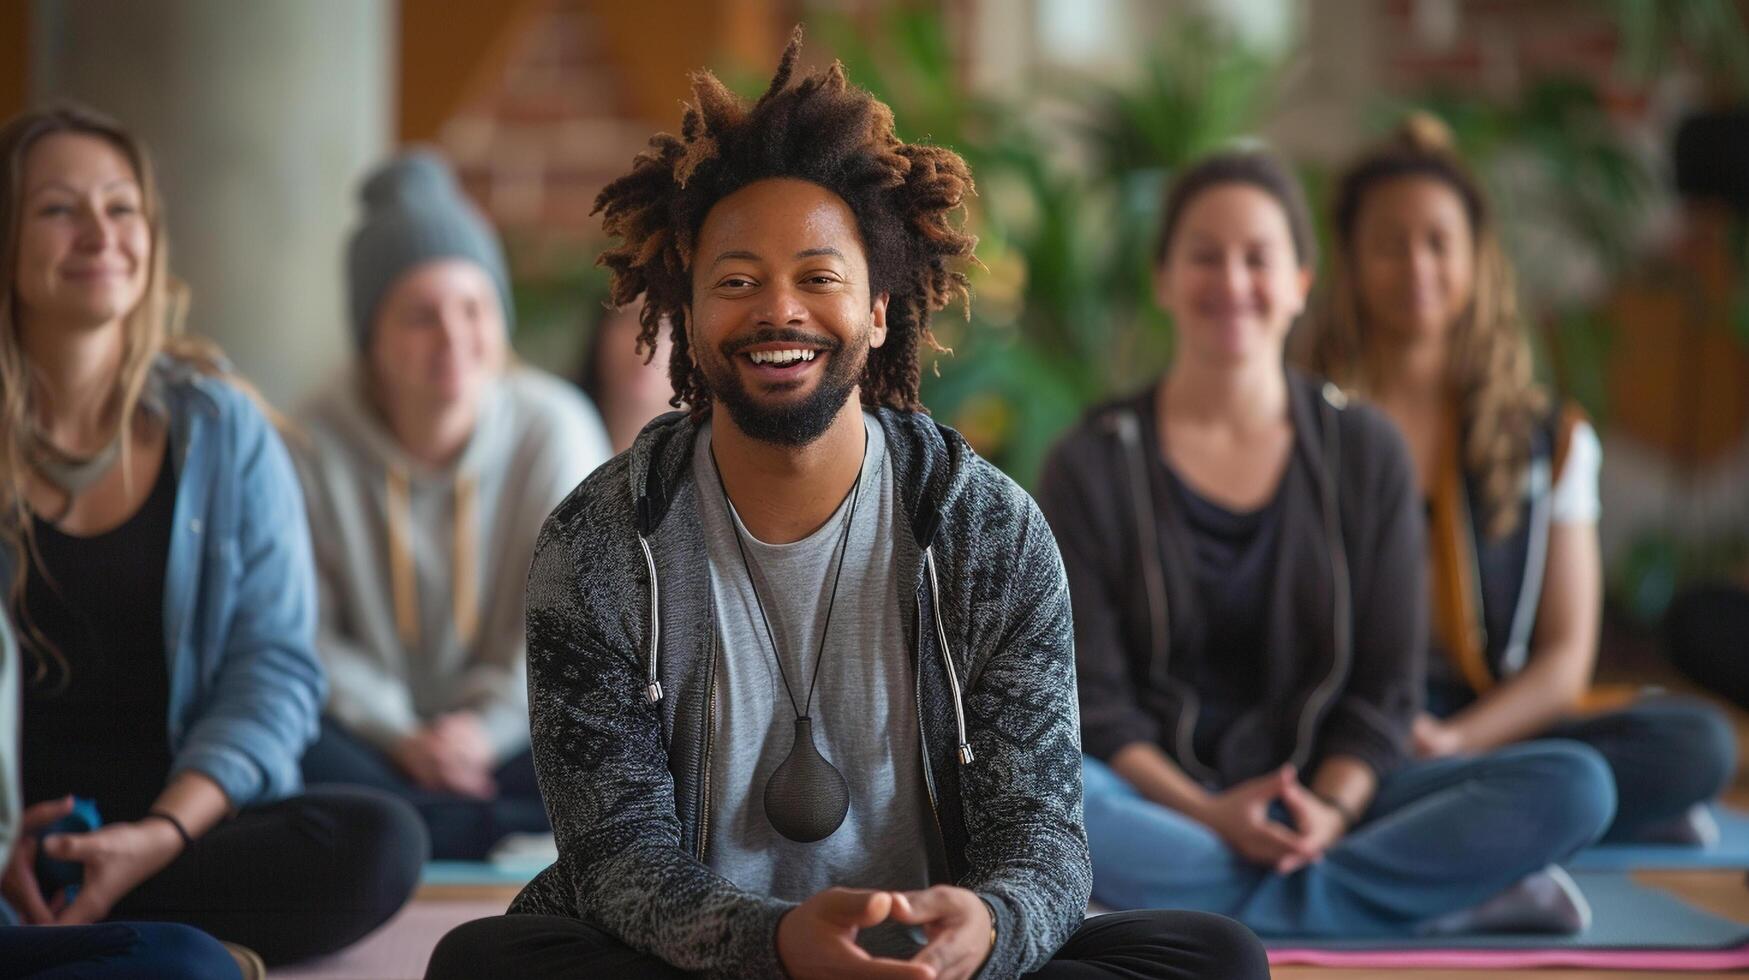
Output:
x=1495 y=45
x=539 y=138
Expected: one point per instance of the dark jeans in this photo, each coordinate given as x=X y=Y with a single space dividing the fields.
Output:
x=1708 y=632
x=461 y=827
x=292 y=879
x=1666 y=753
x=113 y=951
x=1129 y=945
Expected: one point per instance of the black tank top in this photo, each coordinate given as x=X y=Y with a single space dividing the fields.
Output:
x=98 y=726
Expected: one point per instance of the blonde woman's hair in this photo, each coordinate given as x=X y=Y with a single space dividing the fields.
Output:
x=151 y=328
x=1489 y=364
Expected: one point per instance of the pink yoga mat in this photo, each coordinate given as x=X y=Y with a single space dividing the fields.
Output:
x=397 y=951
x=1516 y=959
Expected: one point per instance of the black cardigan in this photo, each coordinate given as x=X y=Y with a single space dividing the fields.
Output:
x=1342 y=678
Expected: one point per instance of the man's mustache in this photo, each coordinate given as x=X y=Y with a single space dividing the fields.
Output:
x=771 y=335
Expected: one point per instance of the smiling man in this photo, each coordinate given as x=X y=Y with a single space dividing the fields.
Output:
x=801 y=669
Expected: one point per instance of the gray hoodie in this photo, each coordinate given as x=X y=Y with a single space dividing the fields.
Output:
x=421 y=569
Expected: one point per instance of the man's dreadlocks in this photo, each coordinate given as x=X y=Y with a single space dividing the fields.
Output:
x=822 y=130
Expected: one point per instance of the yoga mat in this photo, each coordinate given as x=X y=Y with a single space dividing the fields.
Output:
x=399 y=950
x=1633 y=927
x=1732 y=850
x=477 y=873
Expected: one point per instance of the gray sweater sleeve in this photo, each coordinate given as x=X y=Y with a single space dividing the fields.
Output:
x=603 y=769
x=1027 y=848
x=563 y=444
x=366 y=697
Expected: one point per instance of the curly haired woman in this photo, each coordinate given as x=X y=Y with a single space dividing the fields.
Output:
x=1422 y=320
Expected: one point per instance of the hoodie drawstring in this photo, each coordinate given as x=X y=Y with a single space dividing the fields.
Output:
x=953 y=678
x=464 y=584
x=464 y=579
x=401 y=580
x=653 y=685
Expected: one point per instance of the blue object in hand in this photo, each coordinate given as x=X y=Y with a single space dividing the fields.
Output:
x=53 y=875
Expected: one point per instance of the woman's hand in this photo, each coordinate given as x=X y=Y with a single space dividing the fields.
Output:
x=449 y=755
x=1434 y=739
x=1240 y=815
x=1320 y=826
x=117 y=858
x=19 y=885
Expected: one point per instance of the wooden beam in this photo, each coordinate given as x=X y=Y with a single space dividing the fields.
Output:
x=655 y=46
x=446 y=49
x=14 y=58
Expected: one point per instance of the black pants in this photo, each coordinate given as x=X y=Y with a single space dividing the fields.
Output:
x=462 y=828
x=113 y=951
x=1708 y=631
x=1129 y=945
x=292 y=879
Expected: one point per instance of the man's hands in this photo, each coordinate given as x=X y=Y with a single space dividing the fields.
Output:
x=116 y=857
x=450 y=755
x=1240 y=815
x=957 y=925
x=818 y=938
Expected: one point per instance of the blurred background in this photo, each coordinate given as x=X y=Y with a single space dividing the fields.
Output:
x=1614 y=135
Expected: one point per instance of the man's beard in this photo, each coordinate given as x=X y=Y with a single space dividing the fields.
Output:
x=797 y=423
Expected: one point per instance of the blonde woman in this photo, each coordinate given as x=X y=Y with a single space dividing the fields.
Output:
x=158 y=567
x=1421 y=318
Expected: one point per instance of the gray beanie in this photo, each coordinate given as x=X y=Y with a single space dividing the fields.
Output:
x=414 y=213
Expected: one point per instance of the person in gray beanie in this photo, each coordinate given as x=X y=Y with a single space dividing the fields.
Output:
x=428 y=467
x=415 y=213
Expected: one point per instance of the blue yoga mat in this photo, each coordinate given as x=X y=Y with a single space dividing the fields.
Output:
x=477 y=873
x=1732 y=850
x=1625 y=915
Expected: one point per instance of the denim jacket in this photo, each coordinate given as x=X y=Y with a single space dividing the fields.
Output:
x=246 y=689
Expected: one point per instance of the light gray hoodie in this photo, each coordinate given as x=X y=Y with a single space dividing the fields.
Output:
x=421 y=569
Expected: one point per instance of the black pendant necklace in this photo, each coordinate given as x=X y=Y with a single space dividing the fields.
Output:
x=806 y=797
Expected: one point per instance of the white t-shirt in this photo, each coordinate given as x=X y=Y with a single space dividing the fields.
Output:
x=1574 y=499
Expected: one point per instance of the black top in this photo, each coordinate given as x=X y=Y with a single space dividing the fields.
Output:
x=1232 y=564
x=97 y=727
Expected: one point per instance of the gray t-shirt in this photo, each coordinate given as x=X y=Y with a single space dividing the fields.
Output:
x=864 y=709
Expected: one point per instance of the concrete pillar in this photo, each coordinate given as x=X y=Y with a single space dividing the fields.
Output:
x=261 y=116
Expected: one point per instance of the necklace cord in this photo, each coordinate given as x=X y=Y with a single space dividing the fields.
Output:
x=832 y=602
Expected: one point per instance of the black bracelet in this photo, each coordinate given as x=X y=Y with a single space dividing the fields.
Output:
x=181 y=831
x=1349 y=817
